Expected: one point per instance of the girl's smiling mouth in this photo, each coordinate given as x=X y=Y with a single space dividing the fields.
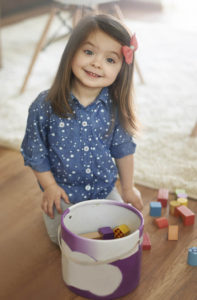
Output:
x=91 y=74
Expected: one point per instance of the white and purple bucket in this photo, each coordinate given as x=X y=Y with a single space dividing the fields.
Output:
x=101 y=269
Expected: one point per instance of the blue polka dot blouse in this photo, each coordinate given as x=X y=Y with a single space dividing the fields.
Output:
x=78 y=150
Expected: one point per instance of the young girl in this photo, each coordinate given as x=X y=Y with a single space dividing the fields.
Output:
x=86 y=119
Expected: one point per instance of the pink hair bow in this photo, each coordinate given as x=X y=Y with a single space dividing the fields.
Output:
x=128 y=51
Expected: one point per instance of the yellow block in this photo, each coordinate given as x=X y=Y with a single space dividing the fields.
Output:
x=124 y=228
x=173 y=205
x=182 y=201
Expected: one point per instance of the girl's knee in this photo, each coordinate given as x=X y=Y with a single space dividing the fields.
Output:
x=54 y=239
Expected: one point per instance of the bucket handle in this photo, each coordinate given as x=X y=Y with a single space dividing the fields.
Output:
x=107 y=261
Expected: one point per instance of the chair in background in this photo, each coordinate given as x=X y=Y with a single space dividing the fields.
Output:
x=194 y=131
x=0 y=38
x=77 y=9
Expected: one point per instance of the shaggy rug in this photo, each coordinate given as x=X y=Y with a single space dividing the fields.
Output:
x=166 y=104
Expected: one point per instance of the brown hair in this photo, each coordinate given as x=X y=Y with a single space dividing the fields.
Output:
x=120 y=90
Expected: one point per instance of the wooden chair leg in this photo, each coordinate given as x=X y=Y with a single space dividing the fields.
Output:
x=96 y=10
x=80 y=12
x=118 y=12
x=139 y=72
x=77 y=16
x=121 y=17
x=194 y=131
x=0 y=53
x=38 y=48
x=0 y=40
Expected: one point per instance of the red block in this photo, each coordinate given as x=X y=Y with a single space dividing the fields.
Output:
x=161 y=222
x=186 y=215
x=146 y=244
x=163 y=197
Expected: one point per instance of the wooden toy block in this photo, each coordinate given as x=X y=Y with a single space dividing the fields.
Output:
x=182 y=201
x=118 y=233
x=173 y=205
x=180 y=191
x=146 y=244
x=163 y=197
x=192 y=256
x=124 y=228
x=161 y=222
x=106 y=232
x=186 y=214
x=92 y=235
x=155 y=209
x=121 y=231
x=173 y=232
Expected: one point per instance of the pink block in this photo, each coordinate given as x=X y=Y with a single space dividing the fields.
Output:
x=163 y=197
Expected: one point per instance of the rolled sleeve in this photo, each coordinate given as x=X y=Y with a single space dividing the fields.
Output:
x=122 y=143
x=34 y=144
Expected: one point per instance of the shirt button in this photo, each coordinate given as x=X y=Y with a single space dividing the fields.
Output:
x=88 y=170
x=84 y=123
x=87 y=187
x=86 y=148
x=61 y=124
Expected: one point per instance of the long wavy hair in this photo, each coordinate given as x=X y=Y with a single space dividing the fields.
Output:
x=121 y=90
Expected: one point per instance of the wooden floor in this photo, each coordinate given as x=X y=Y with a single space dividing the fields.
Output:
x=31 y=265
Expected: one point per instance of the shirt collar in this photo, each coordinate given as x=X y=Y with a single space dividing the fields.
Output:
x=103 y=96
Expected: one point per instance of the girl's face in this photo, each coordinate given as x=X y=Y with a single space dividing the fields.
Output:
x=97 y=62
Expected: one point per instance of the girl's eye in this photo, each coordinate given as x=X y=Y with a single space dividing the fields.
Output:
x=88 y=52
x=110 y=60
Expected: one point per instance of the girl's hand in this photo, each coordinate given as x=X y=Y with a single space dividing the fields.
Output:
x=53 y=195
x=134 y=197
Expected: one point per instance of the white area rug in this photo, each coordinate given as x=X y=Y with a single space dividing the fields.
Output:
x=167 y=104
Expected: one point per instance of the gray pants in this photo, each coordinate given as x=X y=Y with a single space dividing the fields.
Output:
x=53 y=224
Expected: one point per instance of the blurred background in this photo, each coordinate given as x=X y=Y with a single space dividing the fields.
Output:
x=178 y=12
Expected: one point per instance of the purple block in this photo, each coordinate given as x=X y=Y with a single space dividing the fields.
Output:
x=106 y=232
x=182 y=196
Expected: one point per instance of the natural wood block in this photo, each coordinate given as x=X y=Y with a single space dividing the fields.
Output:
x=173 y=232
x=91 y=235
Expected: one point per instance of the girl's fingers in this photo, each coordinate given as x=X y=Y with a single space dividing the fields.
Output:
x=47 y=207
x=44 y=206
x=65 y=197
x=50 y=210
x=58 y=205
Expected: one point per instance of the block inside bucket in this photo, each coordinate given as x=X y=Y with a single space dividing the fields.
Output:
x=101 y=268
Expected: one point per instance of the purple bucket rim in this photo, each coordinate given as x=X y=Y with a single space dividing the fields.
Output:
x=105 y=201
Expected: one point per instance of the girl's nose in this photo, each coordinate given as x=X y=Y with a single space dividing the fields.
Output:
x=97 y=61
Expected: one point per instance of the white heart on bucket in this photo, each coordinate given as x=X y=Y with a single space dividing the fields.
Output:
x=86 y=276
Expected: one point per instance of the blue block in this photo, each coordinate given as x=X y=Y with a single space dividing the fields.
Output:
x=192 y=256
x=155 y=209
